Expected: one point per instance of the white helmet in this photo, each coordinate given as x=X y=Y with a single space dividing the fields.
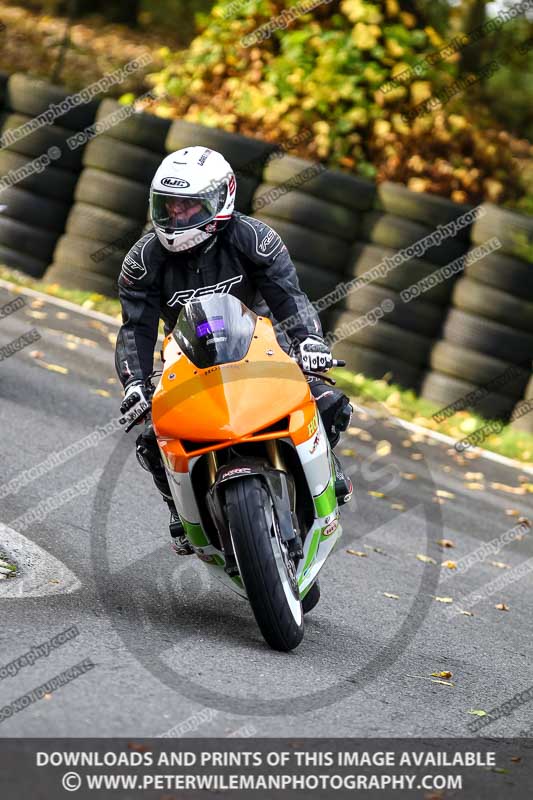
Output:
x=191 y=197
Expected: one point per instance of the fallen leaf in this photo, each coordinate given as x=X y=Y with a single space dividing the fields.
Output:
x=416 y=456
x=445 y=494
x=433 y=680
x=502 y=607
x=101 y=392
x=525 y=521
x=474 y=476
x=438 y=500
x=61 y=315
x=376 y=494
x=445 y=543
x=36 y=354
x=442 y=599
x=475 y=487
x=500 y=564
x=111 y=380
x=53 y=367
x=466 y=613
x=500 y=770
x=409 y=476
x=375 y=549
x=53 y=580
x=37 y=314
x=512 y=512
x=407 y=443
x=398 y=506
x=37 y=303
x=528 y=487
x=477 y=712
x=392 y=596
x=425 y=559
x=449 y=564
x=443 y=674
x=72 y=346
x=447 y=468
x=502 y=487
x=348 y=452
x=516 y=759
x=357 y=553
x=383 y=448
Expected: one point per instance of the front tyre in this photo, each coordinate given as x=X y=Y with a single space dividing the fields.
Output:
x=268 y=574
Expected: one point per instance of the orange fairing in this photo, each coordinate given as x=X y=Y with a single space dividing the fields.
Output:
x=231 y=401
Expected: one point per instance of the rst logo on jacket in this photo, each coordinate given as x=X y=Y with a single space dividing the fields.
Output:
x=182 y=298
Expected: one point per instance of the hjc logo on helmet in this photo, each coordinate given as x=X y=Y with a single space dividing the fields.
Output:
x=175 y=183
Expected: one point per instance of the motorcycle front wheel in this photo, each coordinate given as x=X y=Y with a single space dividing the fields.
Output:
x=267 y=571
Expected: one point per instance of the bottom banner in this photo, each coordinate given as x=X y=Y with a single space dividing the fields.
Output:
x=168 y=769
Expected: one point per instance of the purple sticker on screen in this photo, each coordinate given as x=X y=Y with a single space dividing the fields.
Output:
x=212 y=325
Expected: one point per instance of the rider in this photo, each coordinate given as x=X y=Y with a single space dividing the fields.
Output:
x=198 y=246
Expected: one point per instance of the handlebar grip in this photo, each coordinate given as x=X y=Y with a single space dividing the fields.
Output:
x=338 y=362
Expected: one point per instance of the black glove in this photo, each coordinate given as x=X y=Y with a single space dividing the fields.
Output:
x=135 y=403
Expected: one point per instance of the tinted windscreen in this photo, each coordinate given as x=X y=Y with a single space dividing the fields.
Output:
x=215 y=330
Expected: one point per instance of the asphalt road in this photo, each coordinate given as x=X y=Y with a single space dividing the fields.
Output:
x=168 y=643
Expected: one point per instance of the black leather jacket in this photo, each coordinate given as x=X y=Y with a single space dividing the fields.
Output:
x=246 y=258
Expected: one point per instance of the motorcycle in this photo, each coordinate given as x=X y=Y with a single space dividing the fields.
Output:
x=248 y=461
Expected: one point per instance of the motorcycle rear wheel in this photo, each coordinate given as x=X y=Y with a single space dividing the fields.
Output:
x=268 y=573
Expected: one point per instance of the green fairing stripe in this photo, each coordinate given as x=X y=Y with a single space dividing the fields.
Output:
x=326 y=502
x=312 y=549
x=195 y=534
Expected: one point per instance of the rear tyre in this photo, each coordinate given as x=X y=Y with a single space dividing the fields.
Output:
x=268 y=574
x=311 y=598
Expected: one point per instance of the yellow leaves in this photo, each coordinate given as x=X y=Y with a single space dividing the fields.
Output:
x=442 y=599
x=409 y=20
x=382 y=128
x=391 y=596
x=365 y=37
x=408 y=476
x=443 y=674
x=398 y=506
x=392 y=7
x=502 y=607
x=101 y=392
x=420 y=91
x=36 y=314
x=477 y=712
x=475 y=487
x=383 y=448
x=502 y=487
x=433 y=680
x=353 y=9
x=449 y=564
x=347 y=451
x=372 y=493
x=466 y=613
x=445 y=543
x=512 y=512
x=499 y=564
x=394 y=48
x=52 y=367
x=446 y=495
x=434 y=37
x=425 y=559
x=357 y=553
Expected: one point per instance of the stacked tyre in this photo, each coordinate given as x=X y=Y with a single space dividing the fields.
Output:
x=246 y=156
x=111 y=198
x=40 y=169
x=487 y=339
x=394 y=318
x=317 y=212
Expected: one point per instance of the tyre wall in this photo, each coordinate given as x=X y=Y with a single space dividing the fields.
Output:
x=356 y=245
